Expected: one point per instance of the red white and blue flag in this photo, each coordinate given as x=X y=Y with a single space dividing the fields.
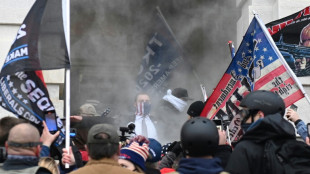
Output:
x=257 y=65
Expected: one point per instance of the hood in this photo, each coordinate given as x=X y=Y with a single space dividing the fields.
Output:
x=271 y=127
x=199 y=166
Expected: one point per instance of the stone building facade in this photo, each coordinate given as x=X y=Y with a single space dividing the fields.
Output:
x=12 y=13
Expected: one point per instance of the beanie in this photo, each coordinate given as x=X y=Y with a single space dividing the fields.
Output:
x=154 y=150
x=136 y=153
x=195 y=109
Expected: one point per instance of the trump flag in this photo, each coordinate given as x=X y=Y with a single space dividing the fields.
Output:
x=39 y=45
x=163 y=55
x=291 y=35
x=257 y=65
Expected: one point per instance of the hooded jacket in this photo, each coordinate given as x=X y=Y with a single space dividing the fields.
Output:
x=248 y=155
x=199 y=166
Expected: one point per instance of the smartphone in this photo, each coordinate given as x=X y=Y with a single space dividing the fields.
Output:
x=50 y=120
x=218 y=124
x=308 y=129
x=72 y=132
x=294 y=107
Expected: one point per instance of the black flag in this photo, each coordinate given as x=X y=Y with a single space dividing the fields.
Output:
x=40 y=42
x=163 y=55
x=291 y=35
x=39 y=45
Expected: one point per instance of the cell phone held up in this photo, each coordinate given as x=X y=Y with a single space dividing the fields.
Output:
x=218 y=124
x=50 y=120
x=294 y=107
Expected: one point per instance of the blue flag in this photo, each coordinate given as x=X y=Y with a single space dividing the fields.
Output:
x=163 y=55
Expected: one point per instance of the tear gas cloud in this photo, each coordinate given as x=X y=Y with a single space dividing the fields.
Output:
x=108 y=40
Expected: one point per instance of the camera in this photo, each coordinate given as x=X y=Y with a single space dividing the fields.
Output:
x=130 y=129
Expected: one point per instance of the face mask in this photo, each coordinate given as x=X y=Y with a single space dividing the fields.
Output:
x=245 y=126
x=143 y=108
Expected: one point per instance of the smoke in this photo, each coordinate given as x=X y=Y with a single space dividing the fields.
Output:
x=108 y=40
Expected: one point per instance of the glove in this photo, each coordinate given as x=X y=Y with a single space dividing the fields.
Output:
x=177 y=149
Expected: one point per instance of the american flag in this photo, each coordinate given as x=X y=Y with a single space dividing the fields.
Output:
x=257 y=65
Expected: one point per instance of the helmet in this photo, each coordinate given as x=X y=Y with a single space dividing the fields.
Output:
x=266 y=101
x=199 y=137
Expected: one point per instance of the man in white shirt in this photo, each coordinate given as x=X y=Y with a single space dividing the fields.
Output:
x=144 y=124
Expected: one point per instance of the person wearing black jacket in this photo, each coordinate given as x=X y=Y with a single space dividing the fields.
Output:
x=199 y=139
x=175 y=151
x=262 y=120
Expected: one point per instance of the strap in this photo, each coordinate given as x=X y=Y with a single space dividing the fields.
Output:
x=30 y=144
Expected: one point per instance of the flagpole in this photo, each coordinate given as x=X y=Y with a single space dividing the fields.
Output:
x=66 y=16
x=231 y=49
x=269 y=38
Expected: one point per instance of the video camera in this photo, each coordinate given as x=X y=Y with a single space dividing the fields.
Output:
x=130 y=129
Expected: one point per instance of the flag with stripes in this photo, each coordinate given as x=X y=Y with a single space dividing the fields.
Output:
x=257 y=65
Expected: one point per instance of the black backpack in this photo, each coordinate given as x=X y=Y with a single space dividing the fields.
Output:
x=287 y=156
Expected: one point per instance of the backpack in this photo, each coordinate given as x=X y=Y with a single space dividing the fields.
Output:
x=287 y=156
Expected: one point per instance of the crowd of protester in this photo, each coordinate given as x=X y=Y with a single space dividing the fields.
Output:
x=201 y=147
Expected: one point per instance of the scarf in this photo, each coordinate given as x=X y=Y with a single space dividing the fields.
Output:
x=176 y=102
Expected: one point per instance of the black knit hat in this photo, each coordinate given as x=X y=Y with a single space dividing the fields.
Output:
x=181 y=93
x=195 y=109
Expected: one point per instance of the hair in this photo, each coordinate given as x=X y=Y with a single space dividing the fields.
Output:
x=140 y=93
x=138 y=169
x=100 y=150
x=6 y=123
x=50 y=164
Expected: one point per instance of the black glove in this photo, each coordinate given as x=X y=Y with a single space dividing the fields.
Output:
x=177 y=149
x=169 y=149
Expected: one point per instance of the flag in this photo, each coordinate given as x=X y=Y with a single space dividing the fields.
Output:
x=39 y=45
x=291 y=37
x=257 y=65
x=40 y=41
x=163 y=55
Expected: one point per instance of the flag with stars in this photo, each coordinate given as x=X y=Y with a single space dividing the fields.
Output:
x=257 y=65
x=25 y=95
x=39 y=45
x=163 y=55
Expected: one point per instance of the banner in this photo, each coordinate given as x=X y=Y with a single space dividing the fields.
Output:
x=25 y=95
x=40 y=41
x=39 y=45
x=256 y=66
x=163 y=55
x=291 y=35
